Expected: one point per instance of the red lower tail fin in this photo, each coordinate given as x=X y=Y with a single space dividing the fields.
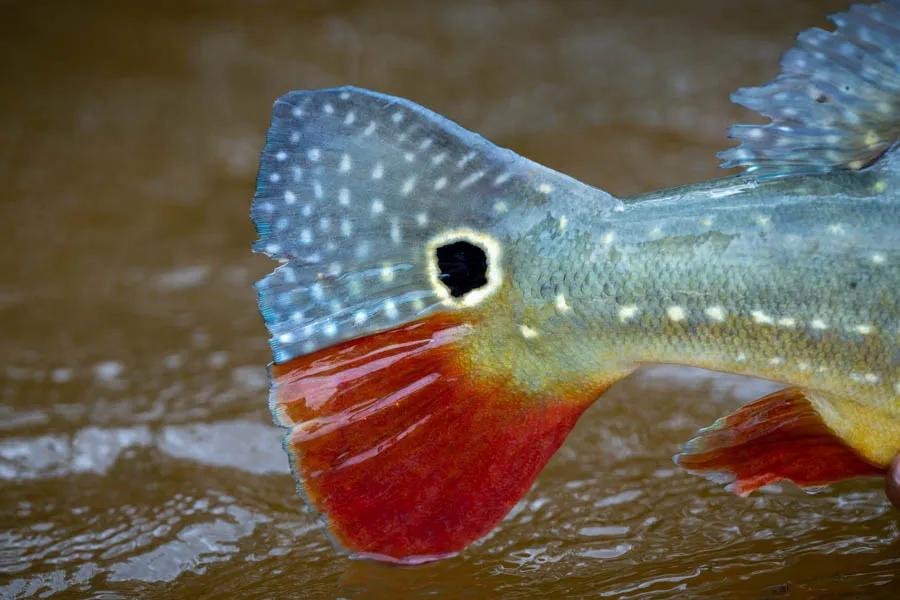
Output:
x=408 y=452
x=777 y=437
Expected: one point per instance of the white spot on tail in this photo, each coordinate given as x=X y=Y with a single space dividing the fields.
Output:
x=387 y=272
x=390 y=309
x=470 y=180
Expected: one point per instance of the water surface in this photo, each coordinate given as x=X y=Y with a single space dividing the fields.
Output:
x=137 y=455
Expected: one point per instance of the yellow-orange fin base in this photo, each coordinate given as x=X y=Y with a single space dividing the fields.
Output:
x=409 y=454
x=778 y=437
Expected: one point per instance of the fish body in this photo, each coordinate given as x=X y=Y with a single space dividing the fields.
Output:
x=445 y=309
x=791 y=279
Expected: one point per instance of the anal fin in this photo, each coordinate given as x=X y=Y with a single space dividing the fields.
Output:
x=777 y=437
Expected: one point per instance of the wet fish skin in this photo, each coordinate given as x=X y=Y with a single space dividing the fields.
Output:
x=791 y=279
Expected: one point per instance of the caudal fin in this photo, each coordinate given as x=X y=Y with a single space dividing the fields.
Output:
x=391 y=223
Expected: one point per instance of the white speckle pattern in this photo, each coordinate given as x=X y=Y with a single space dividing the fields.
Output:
x=628 y=312
x=422 y=219
x=787 y=322
x=345 y=165
x=818 y=324
x=328 y=108
x=502 y=178
x=607 y=238
x=359 y=317
x=281 y=156
x=378 y=171
x=776 y=360
x=408 y=186
x=370 y=128
x=561 y=304
x=563 y=221
x=377 y=206
x=878 y=258
x=396 y=237
x=465 y=160
x=527 y=332
x=330 y=329
x=274 y=177
x=390 y=309
x=500 y=207
x=387 y=272
x=675 y=313
x=864 y=329
x=289 y=197
x=314 y=154
x=761 y=317
x=350 y=118
x=716 y=313
x=545 y=188
x=440 y=184
x=344 y=197
x=470 y=180
x=438 y=158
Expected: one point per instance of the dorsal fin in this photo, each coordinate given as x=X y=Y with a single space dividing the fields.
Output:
x=835 y=104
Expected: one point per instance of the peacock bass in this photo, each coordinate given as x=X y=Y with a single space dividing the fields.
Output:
x=446 y=309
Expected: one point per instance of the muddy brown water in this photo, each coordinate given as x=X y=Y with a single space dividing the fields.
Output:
x=137 y=456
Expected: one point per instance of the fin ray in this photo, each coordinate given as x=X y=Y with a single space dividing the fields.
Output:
x=835 y=104
x=779 y=436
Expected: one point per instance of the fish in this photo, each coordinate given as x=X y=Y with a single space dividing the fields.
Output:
x=445 y=310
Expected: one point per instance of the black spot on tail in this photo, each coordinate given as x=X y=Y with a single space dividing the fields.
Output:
x=462 y=266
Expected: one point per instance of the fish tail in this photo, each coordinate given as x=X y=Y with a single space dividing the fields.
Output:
x=388 y=220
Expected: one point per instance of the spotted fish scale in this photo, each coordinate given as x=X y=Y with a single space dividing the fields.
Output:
x=445 y=309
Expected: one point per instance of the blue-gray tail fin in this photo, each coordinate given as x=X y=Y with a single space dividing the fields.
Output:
x=835 y=104
x=352 y=187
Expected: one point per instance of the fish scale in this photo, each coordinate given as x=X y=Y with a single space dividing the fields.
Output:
x=417 y=413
